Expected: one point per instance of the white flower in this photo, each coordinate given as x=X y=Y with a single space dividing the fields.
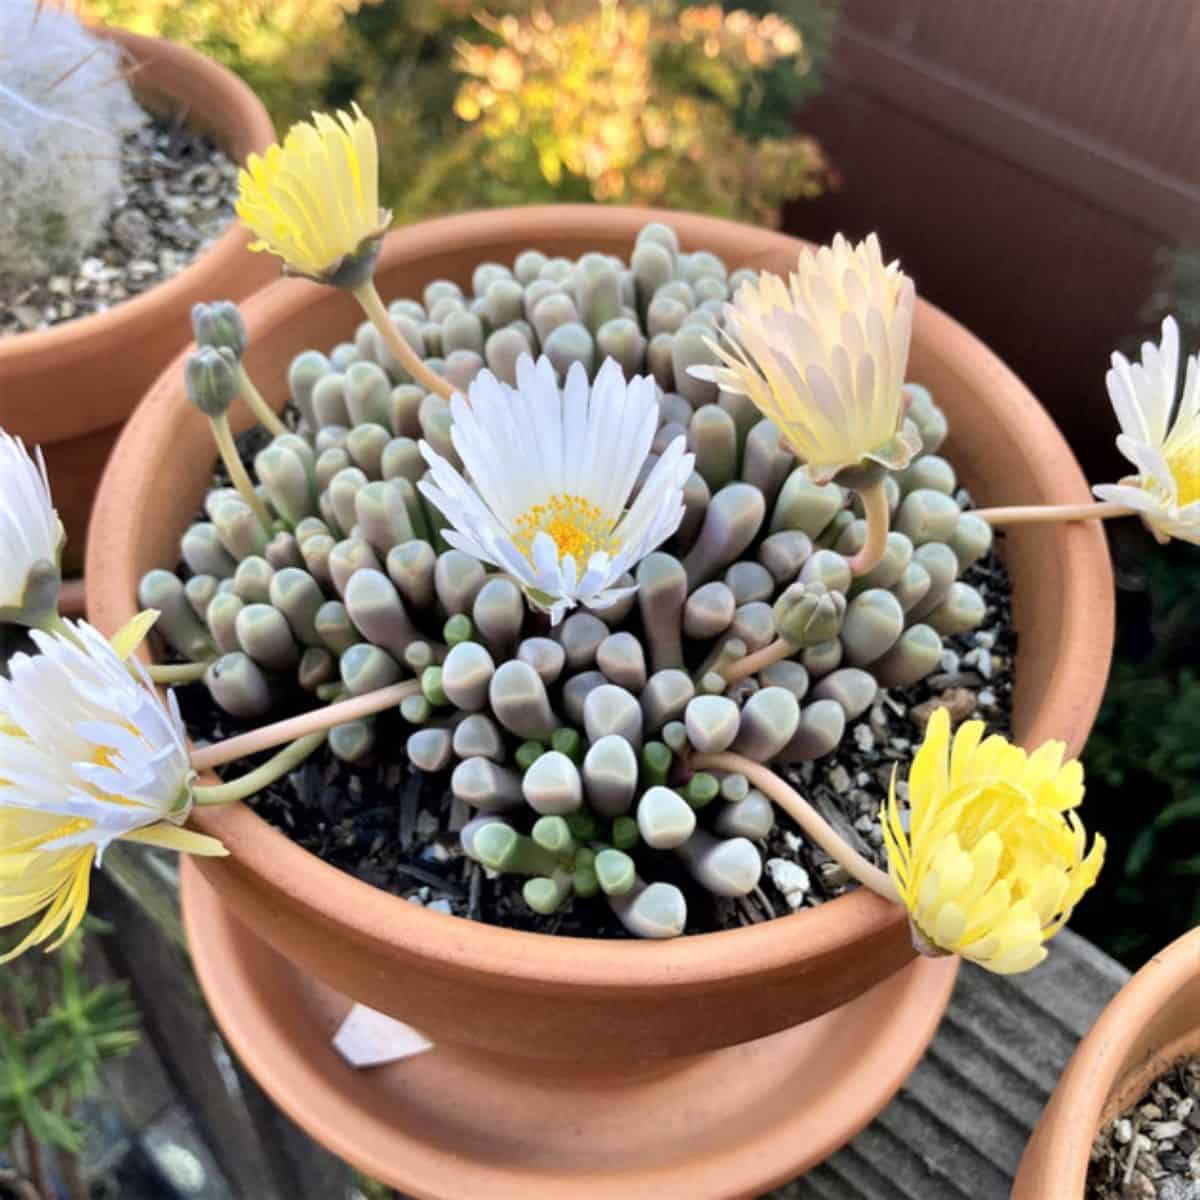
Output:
x=551 y=472
x=96 y=746
x=30 y=532
x=88 y=754
x=823 y=356
x=1166 y=452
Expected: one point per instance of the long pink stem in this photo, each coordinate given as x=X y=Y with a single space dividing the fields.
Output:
x=1041 y=514
x=811 y=823
x=878 y=516
x=760 y=660
x=280 y=732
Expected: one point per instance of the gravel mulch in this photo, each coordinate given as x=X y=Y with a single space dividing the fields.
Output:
x=179 y=193
x=1152 y=1151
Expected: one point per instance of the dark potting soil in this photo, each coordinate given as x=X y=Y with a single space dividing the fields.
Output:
x=1152 y=1150
x=396 y=828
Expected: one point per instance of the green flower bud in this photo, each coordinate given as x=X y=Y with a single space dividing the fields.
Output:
x=809 y=613
x=218 y=325
x=210 y=378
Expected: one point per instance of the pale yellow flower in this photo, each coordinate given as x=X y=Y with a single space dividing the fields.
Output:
x=89 y=754
x=314 y=200
x=824 y=355
x=993 y=862
x=1165 y=448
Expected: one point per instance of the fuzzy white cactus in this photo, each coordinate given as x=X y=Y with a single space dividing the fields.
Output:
x=64 y=108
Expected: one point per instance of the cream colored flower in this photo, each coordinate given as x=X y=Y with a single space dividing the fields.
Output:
x=1166 y=490
x=88 y=754
x=31 y=535
x=993 y=862
x=314 y=200
x=551 y=471
x=823 y=356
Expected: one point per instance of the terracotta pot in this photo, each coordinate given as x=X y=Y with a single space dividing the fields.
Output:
x=592 y=1001
x=1151 y=1024
x=70 y=388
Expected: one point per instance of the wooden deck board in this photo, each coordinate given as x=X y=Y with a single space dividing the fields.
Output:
x=958 y=1127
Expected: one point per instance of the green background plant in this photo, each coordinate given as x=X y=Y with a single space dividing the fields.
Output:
x=1143 y=758
x=704 y=119
x=56 y=1029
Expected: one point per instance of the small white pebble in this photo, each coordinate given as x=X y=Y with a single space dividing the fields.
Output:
x=442 y=906
x=792 y=841
x=839 y=780
x=1123 y=1131
x=950 y=661
x=791 y=879
x=985 y=639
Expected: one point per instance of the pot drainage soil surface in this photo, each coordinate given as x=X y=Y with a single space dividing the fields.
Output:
x=1152 y=1151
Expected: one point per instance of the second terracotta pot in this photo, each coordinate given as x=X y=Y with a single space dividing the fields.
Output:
x=1152 y=1023
x=69 y=389
x=527 y=994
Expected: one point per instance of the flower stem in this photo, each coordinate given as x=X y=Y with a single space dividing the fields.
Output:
x=176 y=672
x=878 y=516
x=368 y=296
x=237 y=472
x=288 y=759
x=319 y=719
x=52 y=622
x=760 y=660
x=258 y=406
x=811 y=823
x=1039 y=514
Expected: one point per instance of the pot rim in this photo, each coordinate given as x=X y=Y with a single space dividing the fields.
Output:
x=253 y=128
x=1099 y=1081
x=450 y=945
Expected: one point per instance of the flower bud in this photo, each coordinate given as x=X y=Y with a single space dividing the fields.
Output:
x=210 y=378
x=219 y=325
x=809 y=613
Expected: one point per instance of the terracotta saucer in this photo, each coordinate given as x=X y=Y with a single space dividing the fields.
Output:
x=713 y=1126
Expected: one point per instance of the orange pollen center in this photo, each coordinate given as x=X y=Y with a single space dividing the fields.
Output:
x=577 y=526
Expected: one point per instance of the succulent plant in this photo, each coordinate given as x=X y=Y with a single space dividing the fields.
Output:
x=567 y=746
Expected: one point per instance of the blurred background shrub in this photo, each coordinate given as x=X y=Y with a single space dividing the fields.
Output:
x=657 y=102
x=1143 y=758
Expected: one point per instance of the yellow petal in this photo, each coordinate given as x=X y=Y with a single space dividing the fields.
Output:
x=130 y=636
x=171 y=837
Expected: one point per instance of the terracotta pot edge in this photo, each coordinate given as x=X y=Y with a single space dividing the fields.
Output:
x=253 y=122
x=1097 y=1084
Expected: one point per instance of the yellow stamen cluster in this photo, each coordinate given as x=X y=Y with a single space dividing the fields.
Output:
x=577 y=526
x=1182 y=456
x=993 y=862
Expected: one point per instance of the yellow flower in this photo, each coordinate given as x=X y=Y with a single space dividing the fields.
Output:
x=823 y=356
x=1160 y=436
x=88 y=755
x=993 y=863
x=314 y=201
